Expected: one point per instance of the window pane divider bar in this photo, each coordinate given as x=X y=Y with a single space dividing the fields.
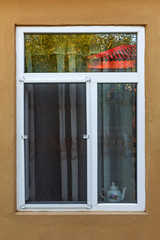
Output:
x=80 y=77
x=89 y=197
x=93 y=149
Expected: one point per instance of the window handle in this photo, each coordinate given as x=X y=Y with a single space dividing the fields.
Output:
x=85 y=136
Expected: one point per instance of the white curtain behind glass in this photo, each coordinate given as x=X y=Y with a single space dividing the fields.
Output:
x=117 y=134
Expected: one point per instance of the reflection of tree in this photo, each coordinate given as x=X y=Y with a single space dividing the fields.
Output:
x=111 y=96
x=41 y=49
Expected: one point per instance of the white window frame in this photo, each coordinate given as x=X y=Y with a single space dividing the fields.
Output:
x=91 y=80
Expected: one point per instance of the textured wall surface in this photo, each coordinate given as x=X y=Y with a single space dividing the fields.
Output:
x=42 y=226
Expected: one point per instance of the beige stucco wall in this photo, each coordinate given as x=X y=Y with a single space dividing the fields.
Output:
x=42 y=226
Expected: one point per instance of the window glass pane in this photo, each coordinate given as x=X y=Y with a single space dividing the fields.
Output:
x=55 y=152
x=117 y=143
x=101 y=52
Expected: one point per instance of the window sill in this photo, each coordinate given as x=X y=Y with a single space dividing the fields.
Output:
x=78 y=213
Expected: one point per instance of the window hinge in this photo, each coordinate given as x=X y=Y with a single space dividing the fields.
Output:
x=88 y=79
x=89 y=206
x=22 y=79
x=24 y=137
x=22 y=206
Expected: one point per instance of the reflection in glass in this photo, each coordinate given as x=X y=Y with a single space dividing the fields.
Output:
x=81 y=52
x=55 y=152
x=117 y=143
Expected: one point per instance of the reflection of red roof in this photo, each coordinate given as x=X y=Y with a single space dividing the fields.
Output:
x=117 y=58
x=114 y=64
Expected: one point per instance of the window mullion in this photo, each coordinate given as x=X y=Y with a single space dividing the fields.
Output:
x=89 y=180
x=93 y=145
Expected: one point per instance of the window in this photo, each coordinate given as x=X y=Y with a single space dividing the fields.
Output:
x=80 y=119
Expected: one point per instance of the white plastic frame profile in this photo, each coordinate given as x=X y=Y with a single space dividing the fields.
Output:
x=91 y=96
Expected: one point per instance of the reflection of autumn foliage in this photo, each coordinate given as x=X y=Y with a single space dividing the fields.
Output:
x=112 y=96
x=41 y=50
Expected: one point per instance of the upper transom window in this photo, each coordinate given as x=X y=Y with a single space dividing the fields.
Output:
x=96 y=52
